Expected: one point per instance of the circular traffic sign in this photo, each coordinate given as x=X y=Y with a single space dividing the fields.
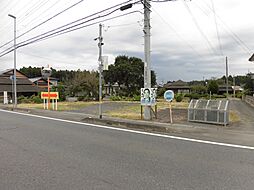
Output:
x=169 y=95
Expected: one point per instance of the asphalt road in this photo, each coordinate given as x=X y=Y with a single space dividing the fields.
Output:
x=37 y=153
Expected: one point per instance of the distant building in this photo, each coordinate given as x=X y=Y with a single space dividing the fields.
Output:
x=223 y=89
x=24 y=86
x=42 y=83
x=178 y=87
x=111 y=89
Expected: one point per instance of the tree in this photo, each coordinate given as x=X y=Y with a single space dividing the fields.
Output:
x=213 y=87
x=31 y=72
x=128 y=72
x=199 y=89
x=83 y=84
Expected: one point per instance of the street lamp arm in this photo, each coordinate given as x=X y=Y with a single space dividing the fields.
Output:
x=11 y=16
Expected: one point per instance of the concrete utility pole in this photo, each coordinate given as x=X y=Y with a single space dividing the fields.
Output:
x=100 y=69
x=227 y=75
x=14 y=69
x=147 y=51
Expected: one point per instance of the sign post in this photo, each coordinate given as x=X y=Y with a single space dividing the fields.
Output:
x=169 y=96
x=148 y=98
x=54 y=96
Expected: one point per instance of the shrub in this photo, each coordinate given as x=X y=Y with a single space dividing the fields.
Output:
x=179 y=97
x=239 y=95
x=36 y=99
x=194 y=96
x=136 y=98
x=115 y=98
x=216 y=96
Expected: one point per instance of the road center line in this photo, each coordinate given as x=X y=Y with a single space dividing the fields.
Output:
x=137 y=132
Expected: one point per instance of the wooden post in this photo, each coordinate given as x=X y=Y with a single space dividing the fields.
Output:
x=48 y=94
x=156 y=113
x=170 y=112
x=141 y=111
x=44 y=103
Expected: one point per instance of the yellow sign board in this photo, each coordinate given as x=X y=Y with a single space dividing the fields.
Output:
x=51 y=95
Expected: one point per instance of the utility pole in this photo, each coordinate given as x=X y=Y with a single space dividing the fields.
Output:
x=14 y=69
x=147 y=52
x=100 y=38
x=234 y=85
x=227 y=76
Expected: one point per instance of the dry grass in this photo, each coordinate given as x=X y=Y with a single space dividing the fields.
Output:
x=62 y=106
x=134 y=111
x=233 y=116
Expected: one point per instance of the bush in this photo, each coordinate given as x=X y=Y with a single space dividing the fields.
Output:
x=179 y=97
x=239 y=95
x=36 y=99
x=194 y=96
x=81 y=98
x=216 y=96
x=115 y=98
x=136 y=98
x=25 y=100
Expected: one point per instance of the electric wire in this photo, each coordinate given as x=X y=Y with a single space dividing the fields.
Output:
x=57 y=34
x=199 y=29
x=76 y=21
x=217 y=30
x=43 y=22
x=178 y=35
x=77 y=28
x=235 y=37
x=56 y=31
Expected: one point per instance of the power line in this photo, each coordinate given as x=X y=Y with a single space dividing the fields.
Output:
x=76 y=21
x=63 y=31
x=44 y=22
x=46 y=58
x=199 y=29
x=216 y=26
x=178 y=35
x=71 y=29
x=235 y=37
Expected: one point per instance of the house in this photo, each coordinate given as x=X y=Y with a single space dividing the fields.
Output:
x=223 y=89
x=24 y=86
x=42 y=83
x=178 y=87
x=111 y=89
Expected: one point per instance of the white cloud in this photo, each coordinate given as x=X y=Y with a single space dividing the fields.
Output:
x=179 y=51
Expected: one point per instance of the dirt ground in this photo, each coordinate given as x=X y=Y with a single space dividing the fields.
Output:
x=242 y=109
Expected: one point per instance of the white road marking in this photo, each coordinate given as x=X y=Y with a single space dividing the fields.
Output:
x=137 y=132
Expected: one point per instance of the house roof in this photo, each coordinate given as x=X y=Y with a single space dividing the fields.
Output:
x=177 y=85
x=23 y=83
x=33 y=80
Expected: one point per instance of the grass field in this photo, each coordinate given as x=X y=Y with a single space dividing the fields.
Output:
x=133 y=111
x=62 y=106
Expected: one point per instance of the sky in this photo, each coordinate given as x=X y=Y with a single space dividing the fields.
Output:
x=189 y=39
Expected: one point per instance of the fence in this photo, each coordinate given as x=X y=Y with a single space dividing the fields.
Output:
x=209 y=111
x=249 y=100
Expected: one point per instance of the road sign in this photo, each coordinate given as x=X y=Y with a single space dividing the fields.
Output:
x=169 y=95
x=52 y=95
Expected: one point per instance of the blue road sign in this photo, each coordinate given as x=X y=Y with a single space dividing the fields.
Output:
x=169 y=95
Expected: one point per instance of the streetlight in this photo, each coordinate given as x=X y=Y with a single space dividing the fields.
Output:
x=15 y=74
